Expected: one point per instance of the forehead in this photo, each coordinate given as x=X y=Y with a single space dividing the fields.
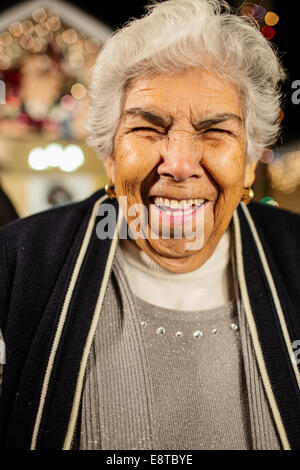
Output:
x=197 y=91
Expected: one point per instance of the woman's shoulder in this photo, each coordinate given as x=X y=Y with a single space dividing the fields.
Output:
x=266 y=210
x=51 y=222
x=279 y=233
x=44 y=239
x=277 y=222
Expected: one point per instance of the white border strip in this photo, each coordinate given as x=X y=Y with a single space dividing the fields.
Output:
x=274 y=293
x=254 y=335
x=80 y=378
x=62 y=319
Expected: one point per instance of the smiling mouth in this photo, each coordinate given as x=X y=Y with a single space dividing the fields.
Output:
x=176 y=206
x=177 y=211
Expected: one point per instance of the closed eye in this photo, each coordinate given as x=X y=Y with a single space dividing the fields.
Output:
x=151 y=129
x=226 y=131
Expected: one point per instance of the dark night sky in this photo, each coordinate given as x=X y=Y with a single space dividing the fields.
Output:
x=116 y=13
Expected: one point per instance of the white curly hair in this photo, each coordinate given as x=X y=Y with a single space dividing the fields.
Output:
x=173 y=36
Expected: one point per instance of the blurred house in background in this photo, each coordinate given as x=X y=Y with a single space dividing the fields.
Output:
x=47 y=49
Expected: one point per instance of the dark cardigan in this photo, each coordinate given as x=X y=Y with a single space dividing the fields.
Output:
x=38 y=255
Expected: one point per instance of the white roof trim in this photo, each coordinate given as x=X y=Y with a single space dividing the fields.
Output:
x=69 y=14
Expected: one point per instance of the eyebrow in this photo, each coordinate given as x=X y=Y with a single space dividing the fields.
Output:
x=149 y=116
x=216 y=119
x=159 y=121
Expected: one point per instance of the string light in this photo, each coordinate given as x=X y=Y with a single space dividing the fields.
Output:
x=281 y=116
x=258 y=12
x=72 y=158
x=39 y=15
x=267 y=157
x=76 y=60
x=54 y=156
x=60 y=41
x=28 y=26
x=69 y=36
x=5 y=39
x=92 y=46
x=72 y=53
x=285 y=173
x=271 y=19
x=78 y=91
x=37 y=159
x=68 y=103
x=16 y=29
x=41 y=30
x=268 y=32
x=270 y=201
x=37 y=45
x=53 y=23
x=247 y=10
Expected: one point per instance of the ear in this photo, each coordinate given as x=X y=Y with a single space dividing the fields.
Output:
x=109 y=165
x=250 y=173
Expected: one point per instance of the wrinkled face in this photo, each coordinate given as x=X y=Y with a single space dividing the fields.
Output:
x=180 y=151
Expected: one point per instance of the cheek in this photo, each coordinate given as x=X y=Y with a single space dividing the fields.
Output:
x=134 y=160
x=226 y=166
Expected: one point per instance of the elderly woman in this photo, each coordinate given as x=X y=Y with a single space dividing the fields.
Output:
x=178 y=329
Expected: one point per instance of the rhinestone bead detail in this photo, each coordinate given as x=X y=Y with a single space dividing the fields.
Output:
x=179 y=334
x=198 y=334
x=234 y=327
x=161 y=331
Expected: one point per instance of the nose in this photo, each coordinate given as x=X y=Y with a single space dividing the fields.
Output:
x=180 y=159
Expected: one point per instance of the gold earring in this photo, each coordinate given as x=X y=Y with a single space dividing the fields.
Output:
x=110 y=189
x=247 y=194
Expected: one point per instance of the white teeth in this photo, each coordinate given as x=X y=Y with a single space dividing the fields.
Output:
x=176 y=204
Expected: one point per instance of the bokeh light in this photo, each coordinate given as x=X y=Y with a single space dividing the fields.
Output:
x=258 y=12
x=271 y=19
x=281 y=116
x=268 y=32
x=39 y=15
x=78 y=91
x=5 y=38
x=37 y=159
x=284 y=173
x=247 y=10
x=16 y=29
x=92 y=46
x=69 y=36
x=71 y=159
x=267 y=157
x=53 y=23
x=68 y=103
x=54 y=156
x=270 y=201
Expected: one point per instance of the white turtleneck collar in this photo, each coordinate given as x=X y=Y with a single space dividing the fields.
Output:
x=209 y=286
